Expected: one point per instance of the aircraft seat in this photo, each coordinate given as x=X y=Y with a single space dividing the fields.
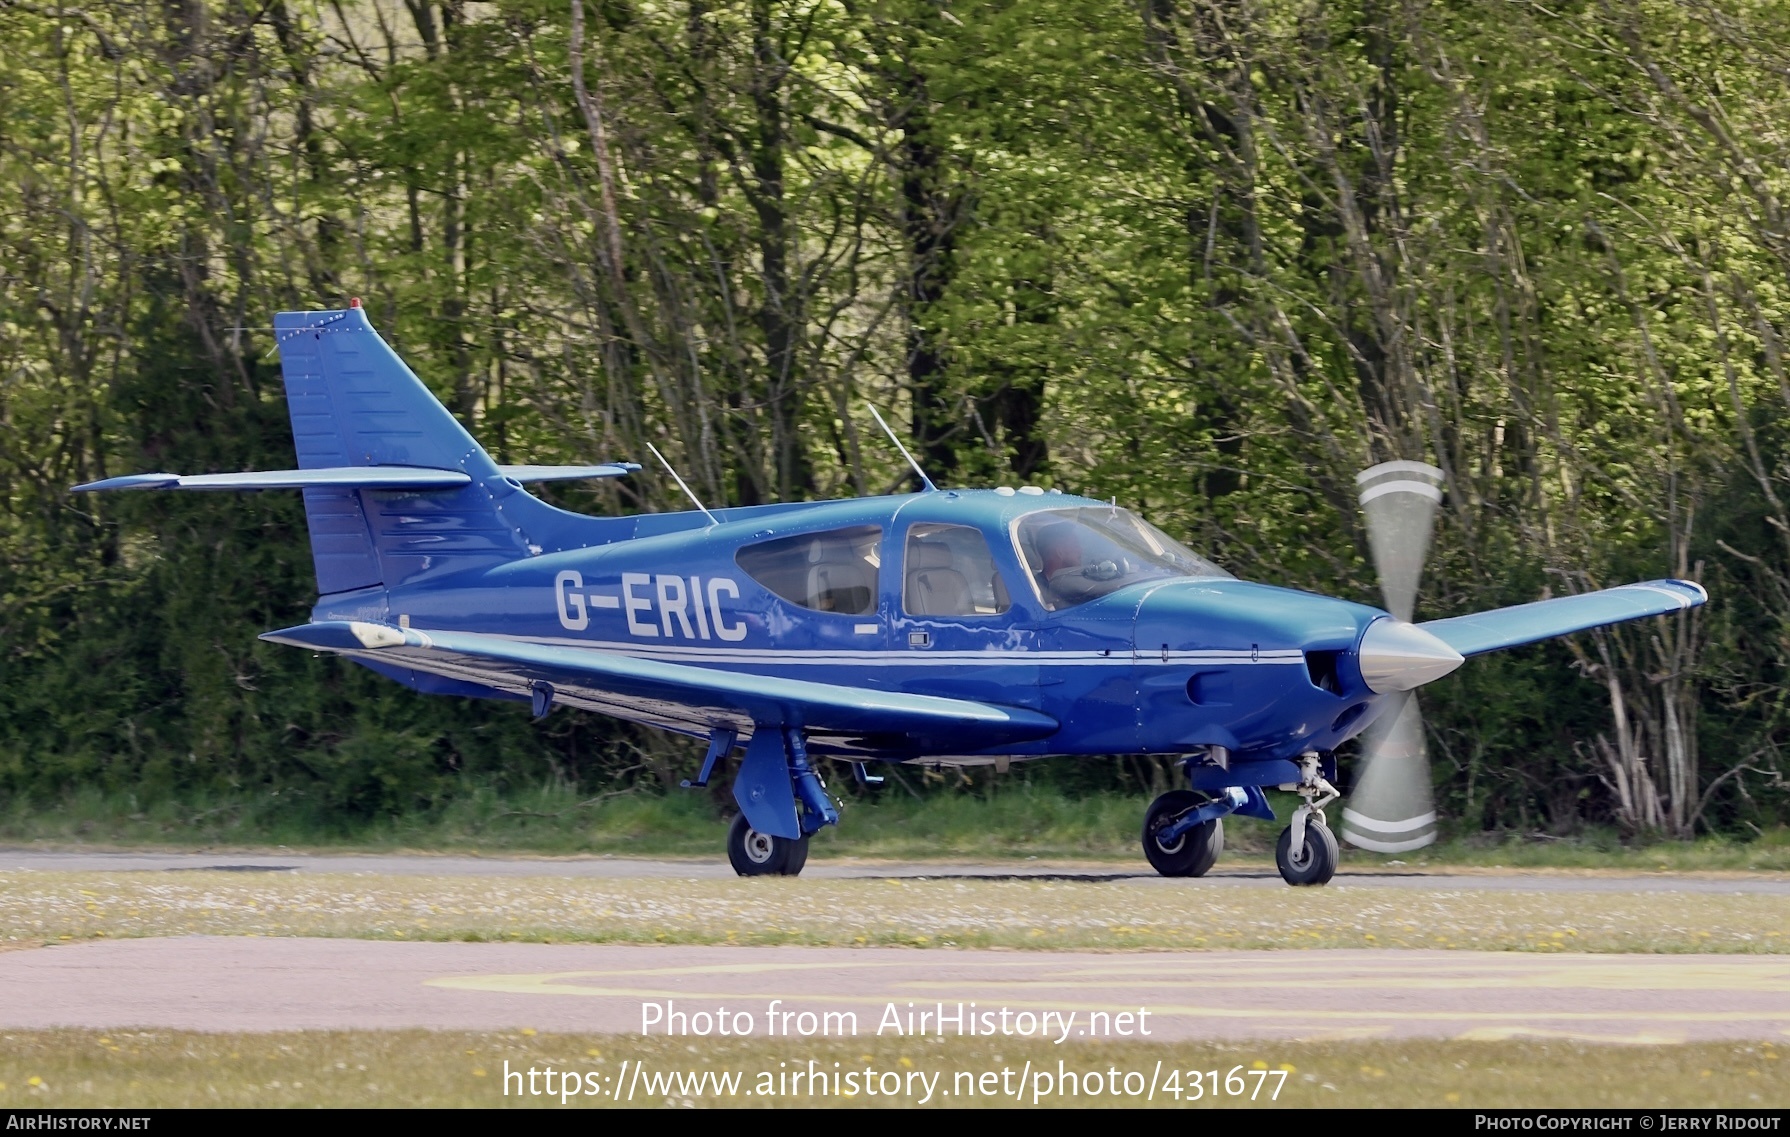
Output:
x=837 y=582
x=934 y=586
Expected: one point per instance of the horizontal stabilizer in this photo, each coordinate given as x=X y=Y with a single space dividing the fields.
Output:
x=1527 y=623
x=527 y=474
x=352 y=477
x=336 y=477
x=706 y=697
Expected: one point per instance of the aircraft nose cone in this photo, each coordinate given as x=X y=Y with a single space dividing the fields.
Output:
x=1396 y=656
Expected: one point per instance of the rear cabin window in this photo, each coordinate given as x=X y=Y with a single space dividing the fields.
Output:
x=949 y=572
x=833 y=571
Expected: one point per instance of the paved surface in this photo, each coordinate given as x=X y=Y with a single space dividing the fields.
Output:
x=250 y=984
x=1556 y=880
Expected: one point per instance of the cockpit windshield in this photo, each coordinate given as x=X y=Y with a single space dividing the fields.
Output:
x=1076 y=555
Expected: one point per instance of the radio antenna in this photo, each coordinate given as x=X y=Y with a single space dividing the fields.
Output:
x=924 y=480
x=672 y=470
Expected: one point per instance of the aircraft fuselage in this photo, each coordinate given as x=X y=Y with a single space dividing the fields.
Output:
x=1164 y=665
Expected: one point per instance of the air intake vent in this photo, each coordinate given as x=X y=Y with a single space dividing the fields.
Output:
x=1321 y=666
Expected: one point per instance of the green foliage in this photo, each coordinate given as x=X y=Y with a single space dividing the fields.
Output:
x=1206 y=258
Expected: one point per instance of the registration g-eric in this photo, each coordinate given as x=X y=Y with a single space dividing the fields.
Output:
x=943 y=626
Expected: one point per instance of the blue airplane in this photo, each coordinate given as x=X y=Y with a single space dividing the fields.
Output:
x=944 y=626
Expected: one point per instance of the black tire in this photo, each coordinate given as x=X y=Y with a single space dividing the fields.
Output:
x=1198 y=848
x=757 y=854
x=1318 y=862
x=798 y=856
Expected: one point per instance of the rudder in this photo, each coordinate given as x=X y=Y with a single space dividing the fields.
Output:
x=354 y=402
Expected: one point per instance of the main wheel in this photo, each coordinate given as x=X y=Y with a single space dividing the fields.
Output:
x=798 y=856
x=759 y=854
x=1194 y=851
x=1317 y=861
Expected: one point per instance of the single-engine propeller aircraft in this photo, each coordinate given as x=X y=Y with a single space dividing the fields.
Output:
x=945 y=626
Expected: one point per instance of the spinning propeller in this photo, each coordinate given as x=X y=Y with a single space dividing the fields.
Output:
x=1390 y=809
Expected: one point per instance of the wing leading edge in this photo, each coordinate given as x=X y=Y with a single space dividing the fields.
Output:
x=1544 y=619
x=717 y=697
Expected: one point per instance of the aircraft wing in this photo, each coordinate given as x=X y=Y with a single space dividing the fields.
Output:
x=1544 y=619
x=703 y=696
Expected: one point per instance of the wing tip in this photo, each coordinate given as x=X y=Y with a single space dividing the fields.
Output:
x=1671 y=586
x=342 y=635
x=128 y=482
x=1702 y=594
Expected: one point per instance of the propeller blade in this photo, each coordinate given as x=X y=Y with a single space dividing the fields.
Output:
x=1390 y=809
x=1400 y=500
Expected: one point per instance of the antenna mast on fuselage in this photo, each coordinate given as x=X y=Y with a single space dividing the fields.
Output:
x=672 y=470
x=924 y=480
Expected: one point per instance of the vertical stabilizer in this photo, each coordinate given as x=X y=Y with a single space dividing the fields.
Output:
x=353 y=402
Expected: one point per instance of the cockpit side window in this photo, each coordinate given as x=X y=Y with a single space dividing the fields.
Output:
x=831 y=571
x=950 y=572
x=1076 y=555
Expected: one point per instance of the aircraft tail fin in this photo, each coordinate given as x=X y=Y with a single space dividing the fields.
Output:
x=353 y=403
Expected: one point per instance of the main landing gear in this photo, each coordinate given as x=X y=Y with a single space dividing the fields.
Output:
x=759 y=854
x=781 y=797
x=1184 y=829
x=1189 y=853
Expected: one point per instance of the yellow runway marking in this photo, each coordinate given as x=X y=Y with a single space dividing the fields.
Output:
x=1612 y=980
x=739 y=968
x=1506 y=1033
x=557 y=983
x=1590 y=997
x=1345 y=1034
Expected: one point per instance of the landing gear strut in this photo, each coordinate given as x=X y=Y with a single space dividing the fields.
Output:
x=781 y=797
x=1306 y=852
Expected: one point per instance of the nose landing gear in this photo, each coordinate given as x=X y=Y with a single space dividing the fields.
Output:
x=1306 y=852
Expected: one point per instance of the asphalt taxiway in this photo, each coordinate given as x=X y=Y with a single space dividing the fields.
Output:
x=213 y=983
x=586 y=867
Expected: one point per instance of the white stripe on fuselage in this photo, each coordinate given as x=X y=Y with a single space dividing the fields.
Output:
x=920 y=657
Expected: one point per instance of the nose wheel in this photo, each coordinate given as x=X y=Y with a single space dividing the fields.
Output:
x=1315 y=860
x=759 y=854
x=1306 y=852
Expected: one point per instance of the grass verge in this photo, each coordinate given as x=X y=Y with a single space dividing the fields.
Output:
x=939 y=912
x=88 y=1069
x=1021 y=821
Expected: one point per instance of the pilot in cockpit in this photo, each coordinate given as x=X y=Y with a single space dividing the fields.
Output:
x=1066 y=571
x=1059 y=548
x=1081 y=553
